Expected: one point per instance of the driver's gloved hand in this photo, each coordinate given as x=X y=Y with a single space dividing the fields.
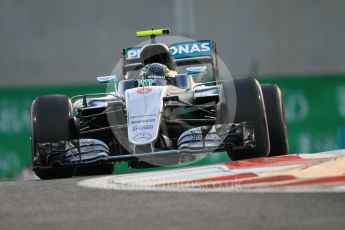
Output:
x=170 y=80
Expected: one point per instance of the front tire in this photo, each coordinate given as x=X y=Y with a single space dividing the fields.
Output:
x=51 y=121
x=248 y=106
x=95 y=169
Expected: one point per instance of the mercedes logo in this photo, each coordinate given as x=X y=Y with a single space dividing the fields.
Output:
x=142 y=137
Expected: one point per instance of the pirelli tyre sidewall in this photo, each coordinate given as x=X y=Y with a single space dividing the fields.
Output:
x=276 y=119
x=249 y=107
x=51 y=120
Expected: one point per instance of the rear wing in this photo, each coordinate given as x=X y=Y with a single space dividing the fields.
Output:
x=183 y=53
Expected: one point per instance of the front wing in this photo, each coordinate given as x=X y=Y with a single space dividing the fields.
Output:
x=201 y=140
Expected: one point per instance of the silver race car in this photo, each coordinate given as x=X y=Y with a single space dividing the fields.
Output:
x=169 y=105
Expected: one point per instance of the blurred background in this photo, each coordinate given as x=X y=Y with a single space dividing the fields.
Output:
x=61 y=46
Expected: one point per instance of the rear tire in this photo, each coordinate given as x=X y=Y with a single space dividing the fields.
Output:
x=276 y=120
x=51 y=121
x=249 y=106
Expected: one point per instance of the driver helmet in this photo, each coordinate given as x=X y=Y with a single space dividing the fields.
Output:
x=155 y=71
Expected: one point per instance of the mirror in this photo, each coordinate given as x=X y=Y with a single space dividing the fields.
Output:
x=196 y=70
x=106 y=79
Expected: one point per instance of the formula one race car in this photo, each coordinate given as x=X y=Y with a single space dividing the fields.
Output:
x=157 y=116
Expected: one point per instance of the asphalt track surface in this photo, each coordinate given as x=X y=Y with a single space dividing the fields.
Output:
x=61 y=204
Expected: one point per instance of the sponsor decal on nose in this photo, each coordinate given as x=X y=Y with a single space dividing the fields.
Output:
x=145 y=90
